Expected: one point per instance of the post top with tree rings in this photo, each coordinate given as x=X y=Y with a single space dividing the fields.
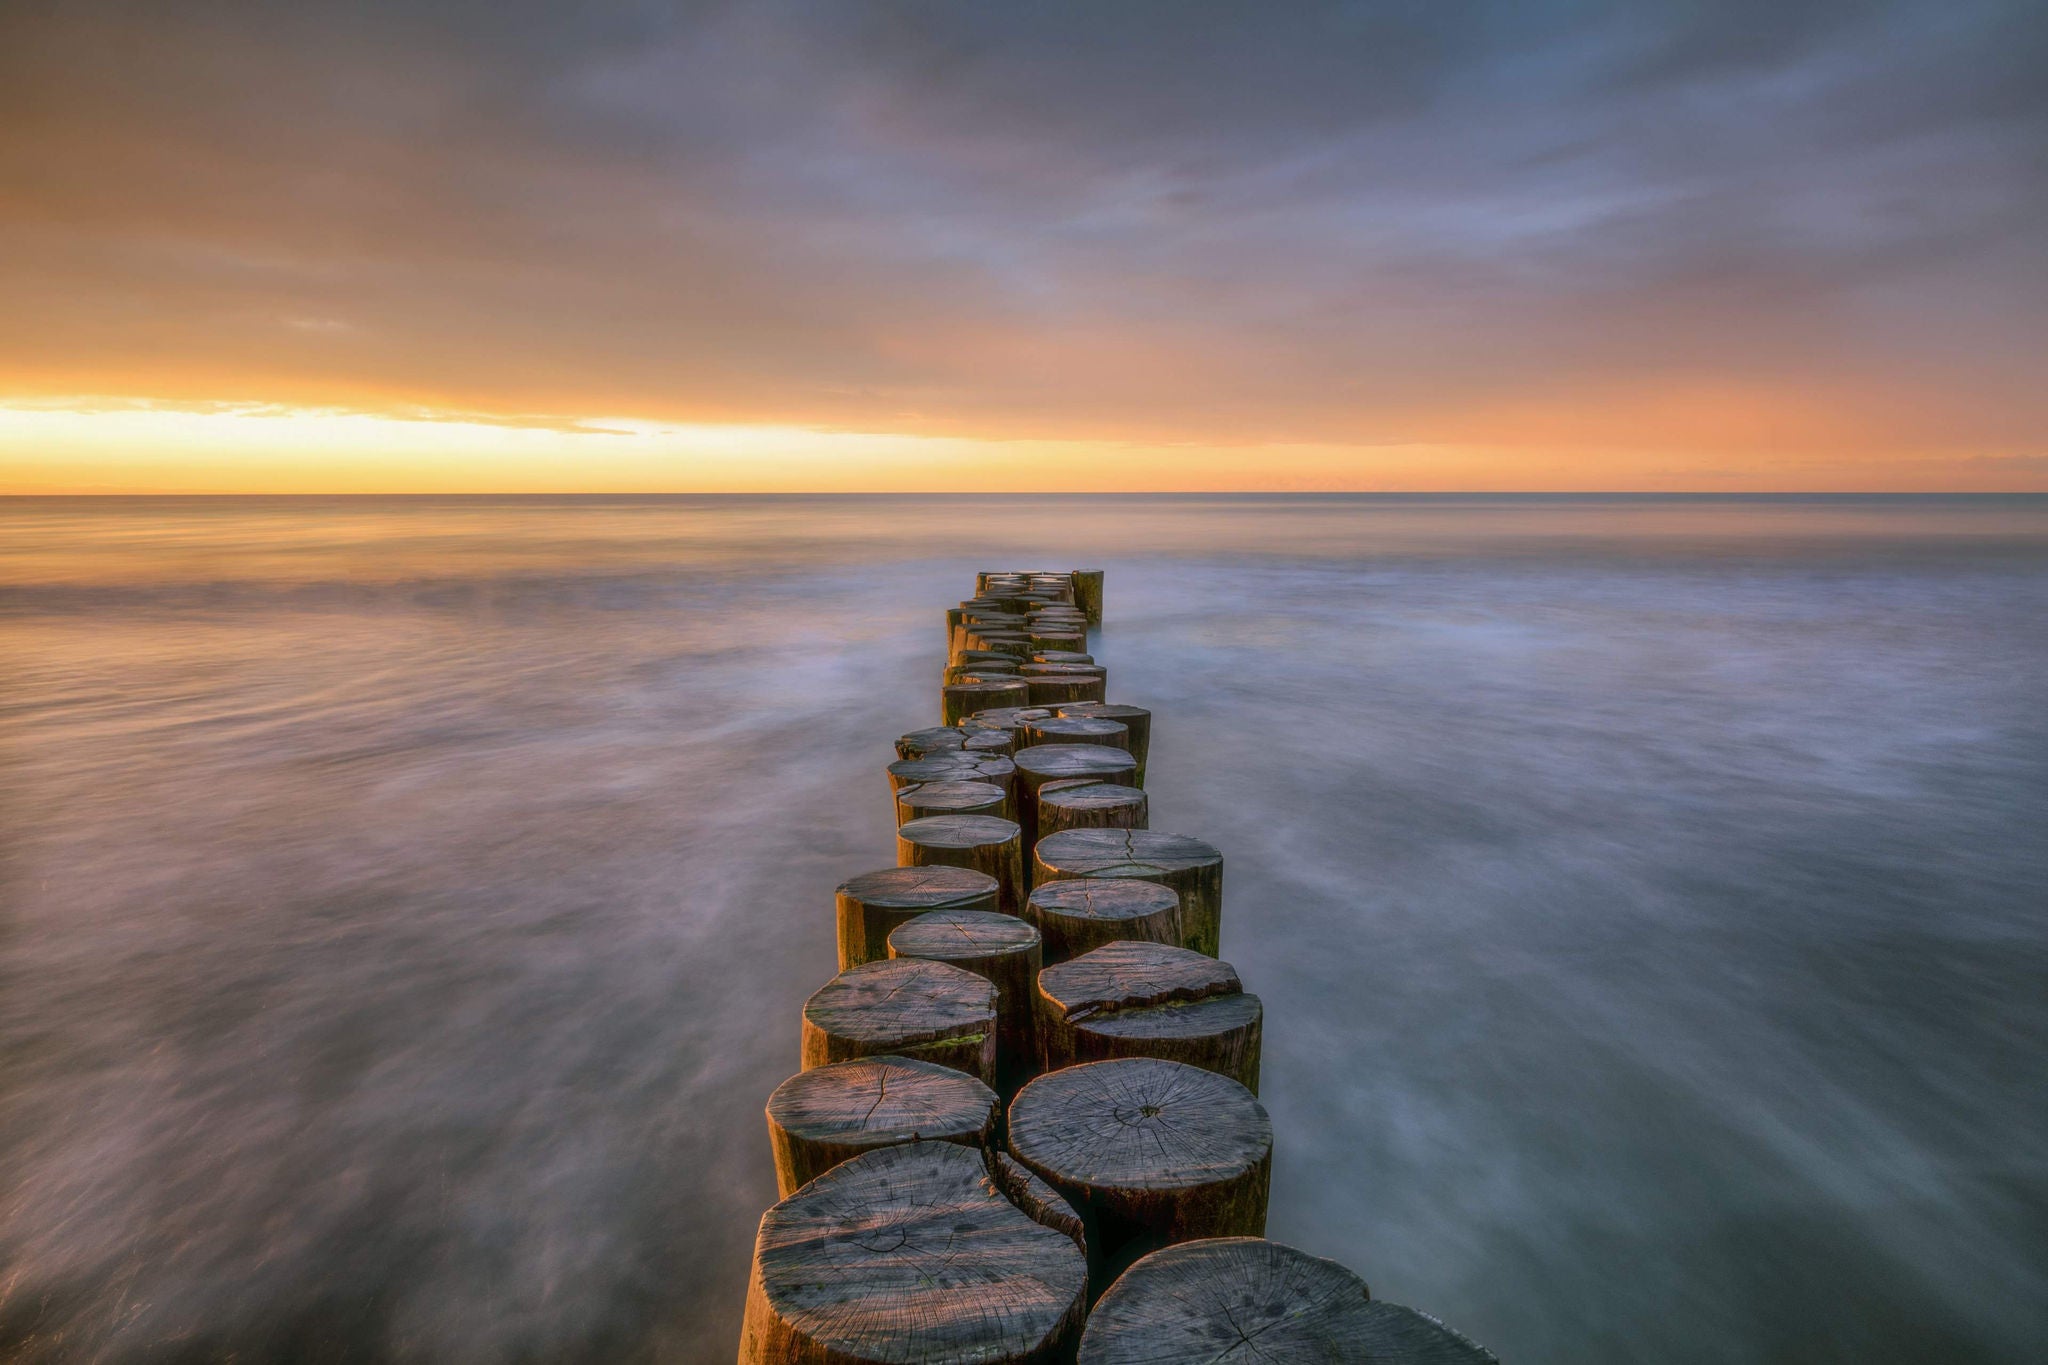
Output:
x=1010 y=717
x=950 y=798
x=962 y=699
x=1133 y=974
x=1138 y=1123
x=1080 y=794
x=958 y=765
x=957 y=831
x=1076 y=914
x=901 y=1002
x=1060 y=670
x=908 y=1255
x=962 y=935
x=1121 y=852
x=1107 y=710
x=928 y=888
x=834 y=1110
x=1062 y=656
x=1184 y=1302
x=934 y=739
x=1048 y=762
x=1110 y=734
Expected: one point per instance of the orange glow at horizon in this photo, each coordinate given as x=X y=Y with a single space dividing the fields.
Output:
x=1702 y=440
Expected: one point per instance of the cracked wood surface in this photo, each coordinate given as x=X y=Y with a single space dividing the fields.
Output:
x=1136 y=720
x=1149 y=1152
x=910 y=1255
x=962 y=699
x=927 y=1010
x=1042 y=763
x=1003 y=948
x=984 y=843
x=829 y=1114
x=1148 y=999
x=1248 y=1301
x=960 y=765
x=1091 y=805
x=1081 y=914
x=871 y=905
x=1191 y=867
x=914 y=802
x=1110 y=734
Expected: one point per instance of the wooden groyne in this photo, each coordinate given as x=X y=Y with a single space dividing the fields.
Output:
x=1026 y=1126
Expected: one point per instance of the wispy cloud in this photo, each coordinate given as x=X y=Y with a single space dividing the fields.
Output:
x=1159 y=222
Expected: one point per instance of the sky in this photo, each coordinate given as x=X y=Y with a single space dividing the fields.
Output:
x=527 y=245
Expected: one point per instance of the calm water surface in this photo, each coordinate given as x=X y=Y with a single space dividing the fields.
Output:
x=406 y=905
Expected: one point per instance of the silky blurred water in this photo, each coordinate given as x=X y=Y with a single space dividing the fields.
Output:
x=406 y=905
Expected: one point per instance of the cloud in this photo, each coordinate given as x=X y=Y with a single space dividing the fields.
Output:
x=1167 y=221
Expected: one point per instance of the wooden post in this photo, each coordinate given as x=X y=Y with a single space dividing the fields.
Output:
x=1189 y=866
x=871 y=905
x=924 y=1010
x=1135 y=719
x=1088 y=594
x=985 y=843
x=1081 y=914
x=1091 y=805
x=1141 y=999
x=908 y=1255
x=1078 y=730
x=951 y=798
x=967 y=673
x=1149 y=1152
x=1062 y=689
x=821 y=1117
x=966 y=765
x=938 y=739
x=1194 y=1300
x=1012 y=719
x=1003 y=948
x=962 y=699
x=1043 y=763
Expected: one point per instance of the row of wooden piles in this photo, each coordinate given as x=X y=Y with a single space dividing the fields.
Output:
x=1026 y=1127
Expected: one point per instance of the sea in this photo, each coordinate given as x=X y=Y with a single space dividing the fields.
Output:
x=406 y=904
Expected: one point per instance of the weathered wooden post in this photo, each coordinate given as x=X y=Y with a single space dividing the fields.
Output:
x=1043 y=763
x=1003 y=948
x=1200 y=1300
x=926 y=1010
x=905 y=1256
x=1056 y=634
x=1189 y=866
x=1081 y=914
x=1011 y=719
x=948 y=739
x=983 y=672
x=1135 y=719
x=985 y=843
x=1144 y=999
x=821 y=1117
x=1149 y=1152
x=1091 y=805
x=1111 y=734
x=950 y=798
x=963 y=699
x=1088 y=594
x=962 y=765
x=1061 y=689
x=871 y=905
